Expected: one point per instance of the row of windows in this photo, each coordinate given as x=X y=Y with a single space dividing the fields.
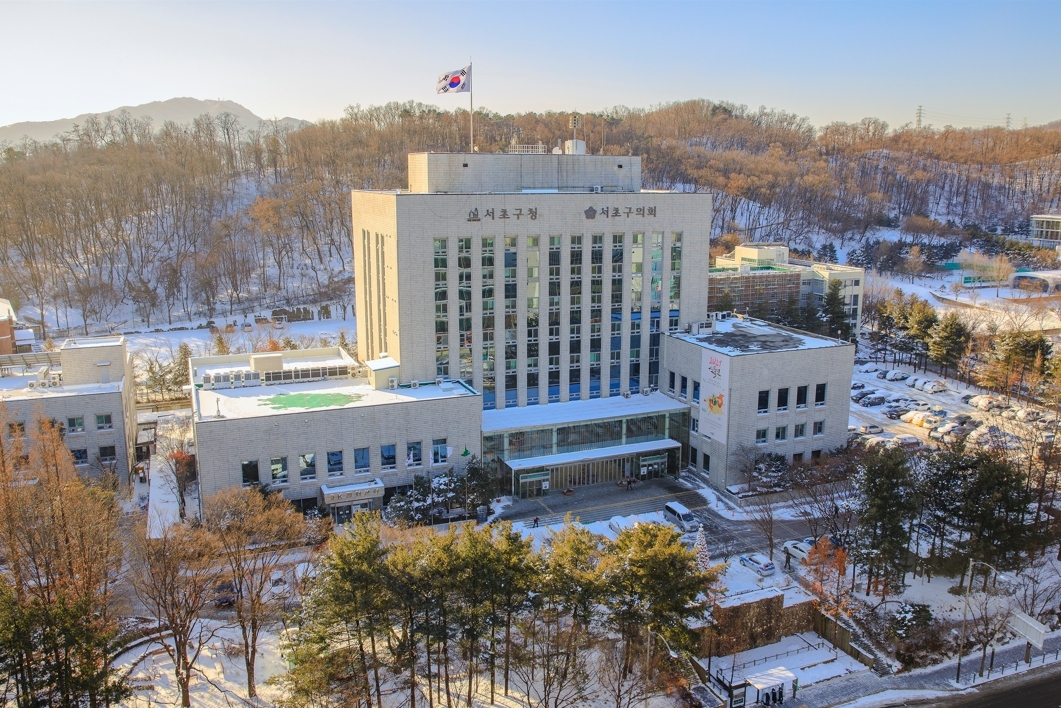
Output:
x=335 y=464
x=799 y=431
x=106 y=453
x=683 y=388
x=74 y=424
x=763 y=406
x=694 y=455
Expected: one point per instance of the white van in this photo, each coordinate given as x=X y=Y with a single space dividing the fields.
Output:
x=682 y=518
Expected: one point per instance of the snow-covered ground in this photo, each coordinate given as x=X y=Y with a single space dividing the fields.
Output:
x=807 y=655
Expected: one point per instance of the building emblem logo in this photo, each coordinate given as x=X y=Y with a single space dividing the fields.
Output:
x=591 y=213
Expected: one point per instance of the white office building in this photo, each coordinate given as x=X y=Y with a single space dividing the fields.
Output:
x=754 y=387
x=88 y=387
x=324 y=430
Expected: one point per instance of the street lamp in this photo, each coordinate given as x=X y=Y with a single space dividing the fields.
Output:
x=648 y=668
x=965 y=611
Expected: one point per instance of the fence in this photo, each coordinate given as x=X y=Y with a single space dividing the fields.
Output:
x=977 y=678
x=841 y=638
x=790 y=652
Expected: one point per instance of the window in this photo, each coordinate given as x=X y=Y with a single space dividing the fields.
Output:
x=819 y=395
x=107 y=453
x=16 y=429
x=414 y=455
x=684 y=391
x=782 y=399
x=707 y=462
x=694 y=425
x=250 y=472
x=764 y=402
x=670 y=381
x=781 y=433
x=75 y=425
x=819 y=427
x=696 y=390
x=80 y=456
x=439 y=451
x=307 y=467
x=387 y=457
x=797 y=458
x=103 y=422
x=801 y=398
x=760 y=436
x=335 y=463
x=692 y=457
x=361 y=463
x=278 y=470
x=799 y=430
x=816 y=454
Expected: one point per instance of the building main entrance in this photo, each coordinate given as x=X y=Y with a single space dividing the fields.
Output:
x=531 y=482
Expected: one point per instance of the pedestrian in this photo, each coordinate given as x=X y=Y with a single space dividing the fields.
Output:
x=788 y=559
x=535 y=522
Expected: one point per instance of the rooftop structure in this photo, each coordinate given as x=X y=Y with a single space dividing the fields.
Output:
x=736 y=336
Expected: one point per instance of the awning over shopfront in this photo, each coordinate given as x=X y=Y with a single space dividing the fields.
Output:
x=602 y=453
x=352 y=493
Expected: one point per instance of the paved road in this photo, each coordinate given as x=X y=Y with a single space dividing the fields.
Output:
x=1039 y=687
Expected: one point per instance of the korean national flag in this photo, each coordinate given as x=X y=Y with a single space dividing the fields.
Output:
x=459 y=81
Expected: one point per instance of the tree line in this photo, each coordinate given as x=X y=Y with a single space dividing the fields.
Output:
x=116 y=220
x=421 y=618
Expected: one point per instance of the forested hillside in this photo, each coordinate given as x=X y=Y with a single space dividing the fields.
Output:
x=120 y=220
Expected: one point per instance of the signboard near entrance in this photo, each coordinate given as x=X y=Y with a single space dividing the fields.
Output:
x=714 y=395
x=1029 y=628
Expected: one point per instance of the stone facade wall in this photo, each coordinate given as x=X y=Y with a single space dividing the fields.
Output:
x=764 y=621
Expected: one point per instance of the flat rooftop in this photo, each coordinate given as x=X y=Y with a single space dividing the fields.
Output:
x=579 y=412
x=211 y=365
x=311 y=396
x=735 y=337
x=16 y=388
x=93 y=342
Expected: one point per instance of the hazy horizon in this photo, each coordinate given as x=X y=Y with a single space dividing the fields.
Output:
x=967 y=63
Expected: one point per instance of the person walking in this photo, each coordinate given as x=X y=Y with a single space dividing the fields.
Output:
x=535 y=522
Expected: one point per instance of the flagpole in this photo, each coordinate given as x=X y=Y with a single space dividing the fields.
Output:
x=471 y=107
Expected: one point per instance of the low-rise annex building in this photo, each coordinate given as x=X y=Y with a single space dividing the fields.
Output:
x=88 y=387
x=325 y=430
x=762 y=277
x=754 y=387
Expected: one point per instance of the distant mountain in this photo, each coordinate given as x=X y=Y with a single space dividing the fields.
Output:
x=178 y=110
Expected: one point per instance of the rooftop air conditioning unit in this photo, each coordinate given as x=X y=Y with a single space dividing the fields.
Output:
x=626 y=394
x=208 y=381
x=392 y=383
x=595 y=189
x=55 y=379
x=646 y=391
x=438 y=380
x=31 y=384
x=415 y=384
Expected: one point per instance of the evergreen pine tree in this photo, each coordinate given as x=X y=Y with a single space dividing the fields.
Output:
x=834 y=312
x=725 y=303
x=703 y=556
x=947 y=341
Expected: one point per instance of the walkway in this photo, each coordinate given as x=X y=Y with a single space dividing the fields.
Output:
x=934 y=678
x=600 y=502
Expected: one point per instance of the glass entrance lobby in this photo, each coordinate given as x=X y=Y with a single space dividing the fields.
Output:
x=539 y=476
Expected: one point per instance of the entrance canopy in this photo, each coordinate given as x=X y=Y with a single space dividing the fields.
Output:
x=602 y=453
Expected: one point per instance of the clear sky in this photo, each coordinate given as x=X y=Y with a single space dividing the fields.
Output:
x=967 y=63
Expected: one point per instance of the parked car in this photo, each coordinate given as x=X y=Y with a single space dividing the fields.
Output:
x=870 y=401
x=870 y=429
x=907 y=442
x=894 y=413
x=882 y=374
x=758 y=563
x=225 y=594
x=798 y=549
x=896 y=375
x=966 y=398
x=1027 y=415
x=913 y=382
x=962 y=418
x=867 y=368
x=922 y=406
x=926 y=530
x=859 y=395
x=857 y=386
x=898 y=398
